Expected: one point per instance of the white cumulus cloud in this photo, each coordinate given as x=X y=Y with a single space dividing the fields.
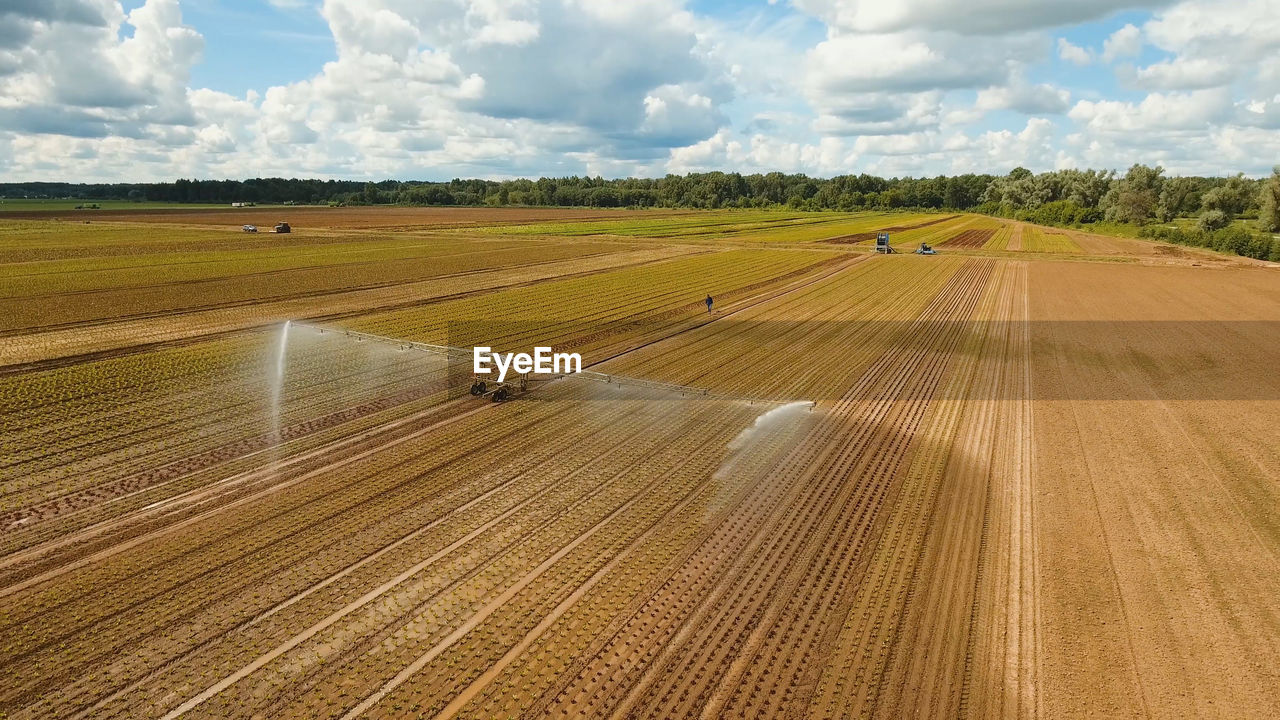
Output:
x=1125 y=42
x=501 y=88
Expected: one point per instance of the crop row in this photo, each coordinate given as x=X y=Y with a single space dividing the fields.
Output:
x=1038 y=239
x=839 y=228
x=784 y=583
x=433 y=688
x=83 y=529
x=525 y=679
x=603 y=445
x=56 y=448
x=34 y=241
x=835 y=323
x=870 y=630
x=558 y=313
x=231 y=550
x=798 y=623
x=76 y=339
x=230 y=286
x=582 y=549
x=538 y=678
x=937 y=234
x=219 y=260
x=663 y=226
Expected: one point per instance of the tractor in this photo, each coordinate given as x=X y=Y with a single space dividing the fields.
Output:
x=501 y=391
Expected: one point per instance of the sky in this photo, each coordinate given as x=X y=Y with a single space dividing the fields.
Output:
x=148 y=90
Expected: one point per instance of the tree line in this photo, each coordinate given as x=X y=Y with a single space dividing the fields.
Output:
x=702 y=190
x=1143 y=195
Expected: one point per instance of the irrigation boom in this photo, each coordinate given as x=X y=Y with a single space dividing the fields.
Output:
x=608 y=378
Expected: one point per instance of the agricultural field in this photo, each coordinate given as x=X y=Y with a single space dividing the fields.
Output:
x=41 y=205
x=1034 y=475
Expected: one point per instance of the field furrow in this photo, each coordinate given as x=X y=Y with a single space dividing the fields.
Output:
x=1031 y=475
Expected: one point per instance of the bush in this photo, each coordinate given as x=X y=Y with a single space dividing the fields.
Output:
x=1212 y=220
x=1233 y=239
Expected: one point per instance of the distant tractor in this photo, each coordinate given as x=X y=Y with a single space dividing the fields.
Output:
x=283 y=227
x=882 y=244
x=926 y=249
x=249 y=228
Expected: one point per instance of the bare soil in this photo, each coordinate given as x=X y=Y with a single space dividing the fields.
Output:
x=970 y=238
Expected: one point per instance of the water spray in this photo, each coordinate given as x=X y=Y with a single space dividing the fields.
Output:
x=459 y=353
x=277 y=380
x=779 y=418
x=768 y=420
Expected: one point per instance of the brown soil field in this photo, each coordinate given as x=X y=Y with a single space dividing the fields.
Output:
x=993 y=484
x=970 y=238
x=1159 y=535
x=864 y=236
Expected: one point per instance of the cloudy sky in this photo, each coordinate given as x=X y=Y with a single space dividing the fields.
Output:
x=94 y=90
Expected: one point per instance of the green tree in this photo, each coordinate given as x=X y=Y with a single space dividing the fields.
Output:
x=1269 y=203
x=1134 y=197
x=1179 y=196
x=1232 y=197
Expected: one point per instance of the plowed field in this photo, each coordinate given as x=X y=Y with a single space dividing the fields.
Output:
x=970 y=239
x=1036 y=477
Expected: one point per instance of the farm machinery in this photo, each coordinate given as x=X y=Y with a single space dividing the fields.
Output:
x=882 y=244
x=499 y=391
x=926 y=249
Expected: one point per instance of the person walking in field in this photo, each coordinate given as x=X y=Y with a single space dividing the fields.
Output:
x=708 y=304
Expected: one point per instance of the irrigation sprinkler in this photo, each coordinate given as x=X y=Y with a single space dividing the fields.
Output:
x=512 y=388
